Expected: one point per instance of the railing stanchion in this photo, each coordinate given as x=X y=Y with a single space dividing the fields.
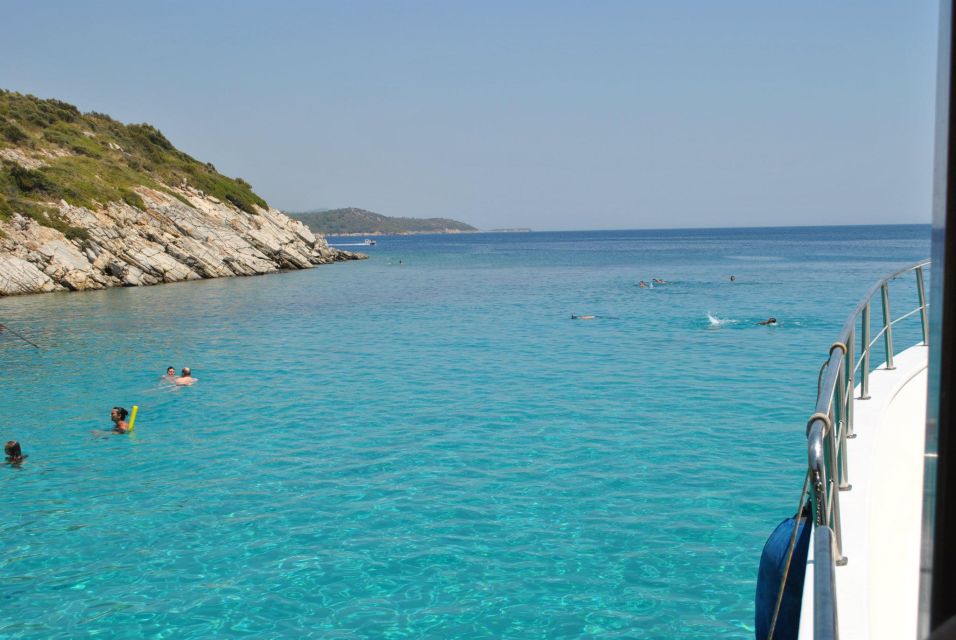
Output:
x=924 y=317
x=865 y=346
x=850 y=382
x=833 y=493
x=887 y=325
x=824 y=586
x=838 y=430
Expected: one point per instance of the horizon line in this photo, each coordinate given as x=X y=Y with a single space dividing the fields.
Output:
x=502 y=230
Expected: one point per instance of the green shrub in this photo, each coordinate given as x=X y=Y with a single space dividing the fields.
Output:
x=72 y=138
x=31 y=181
x=84 y=182
x=133 y=199
x=56 y=221
x=12 y=132
x=42 y=215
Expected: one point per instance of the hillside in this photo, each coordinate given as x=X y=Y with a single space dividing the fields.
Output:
x=359 y=221
x=89 y=202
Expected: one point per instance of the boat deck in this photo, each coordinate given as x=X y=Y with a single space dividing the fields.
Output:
x=878 y=589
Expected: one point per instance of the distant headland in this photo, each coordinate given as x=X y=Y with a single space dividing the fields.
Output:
x=355 y=221
x=87 y=202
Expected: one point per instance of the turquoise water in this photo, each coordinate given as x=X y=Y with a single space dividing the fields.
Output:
x=430 y=448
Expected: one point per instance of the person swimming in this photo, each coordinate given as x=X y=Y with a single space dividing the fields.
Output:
x=733 y=278
x=658 y=281
x=642 y=284
x=771 y=321
x=186 y=378
x=574 y=317
x=118 y=416
x=14 y=453
x=170 y=375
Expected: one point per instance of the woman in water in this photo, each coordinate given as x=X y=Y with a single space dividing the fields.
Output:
x=118 y=416
x=14 y=454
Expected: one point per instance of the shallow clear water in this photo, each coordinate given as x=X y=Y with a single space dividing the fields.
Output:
x=429 y=448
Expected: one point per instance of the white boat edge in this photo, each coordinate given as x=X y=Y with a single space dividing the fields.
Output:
x=878 y=588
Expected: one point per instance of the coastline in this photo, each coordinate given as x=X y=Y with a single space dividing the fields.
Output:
x=167 y=240
x=441 y=232
x=403 y=233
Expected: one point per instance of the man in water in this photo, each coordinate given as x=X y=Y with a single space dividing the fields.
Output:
x=733 y=278
x=186 y=379
x=118 y=416
x=771 y=321
x=14 y=455
x=574 y=317
x=170 y=374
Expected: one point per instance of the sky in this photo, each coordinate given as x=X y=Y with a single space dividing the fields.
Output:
x=549 y=115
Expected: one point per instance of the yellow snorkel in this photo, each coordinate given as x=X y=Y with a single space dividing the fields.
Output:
x=132 y=419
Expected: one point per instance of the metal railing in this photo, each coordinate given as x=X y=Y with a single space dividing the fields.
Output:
x=831 y=425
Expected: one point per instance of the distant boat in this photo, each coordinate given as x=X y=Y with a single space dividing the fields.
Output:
x=369 y=242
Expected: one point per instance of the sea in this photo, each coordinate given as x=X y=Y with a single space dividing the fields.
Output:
x=427 y=443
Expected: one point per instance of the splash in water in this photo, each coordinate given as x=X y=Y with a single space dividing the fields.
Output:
x=718 y=322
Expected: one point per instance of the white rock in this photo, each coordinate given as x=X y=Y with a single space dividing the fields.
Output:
x=169 y=241
x=19 y=276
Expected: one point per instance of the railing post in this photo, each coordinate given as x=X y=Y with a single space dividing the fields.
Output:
x=838 y=431
x=850 y=382
x=818 y=480
x=833 y=495
x=887 y=326
x=824 y=586
x=923 y=316
x=865 y=346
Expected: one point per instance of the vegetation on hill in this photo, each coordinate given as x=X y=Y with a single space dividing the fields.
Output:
x=353 y=220
x=90 y=159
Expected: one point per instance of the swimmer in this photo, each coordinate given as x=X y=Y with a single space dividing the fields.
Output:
x=186 y=379
x=642 y=284
x=170 y=375
x=769 y=322
x=658 y=281
x=14 y=455
x=733 y=278
x=574 y=317
x=118 y=416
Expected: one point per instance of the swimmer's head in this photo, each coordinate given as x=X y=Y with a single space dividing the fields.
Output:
x=12 y=449
x=170 y=371
x=772 y=320
x=118 y=413
x=187 y=372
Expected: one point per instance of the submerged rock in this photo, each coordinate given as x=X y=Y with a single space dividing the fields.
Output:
x=168 y=240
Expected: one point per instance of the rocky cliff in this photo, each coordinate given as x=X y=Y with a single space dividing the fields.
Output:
x=88 y=203
x=166 y=241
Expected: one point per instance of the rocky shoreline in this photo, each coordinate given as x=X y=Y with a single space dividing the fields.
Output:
x=119 y=244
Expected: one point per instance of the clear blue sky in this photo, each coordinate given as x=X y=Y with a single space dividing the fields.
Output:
x=551 y=115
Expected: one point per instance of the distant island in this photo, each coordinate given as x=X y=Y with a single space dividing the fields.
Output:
x=355 y=221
